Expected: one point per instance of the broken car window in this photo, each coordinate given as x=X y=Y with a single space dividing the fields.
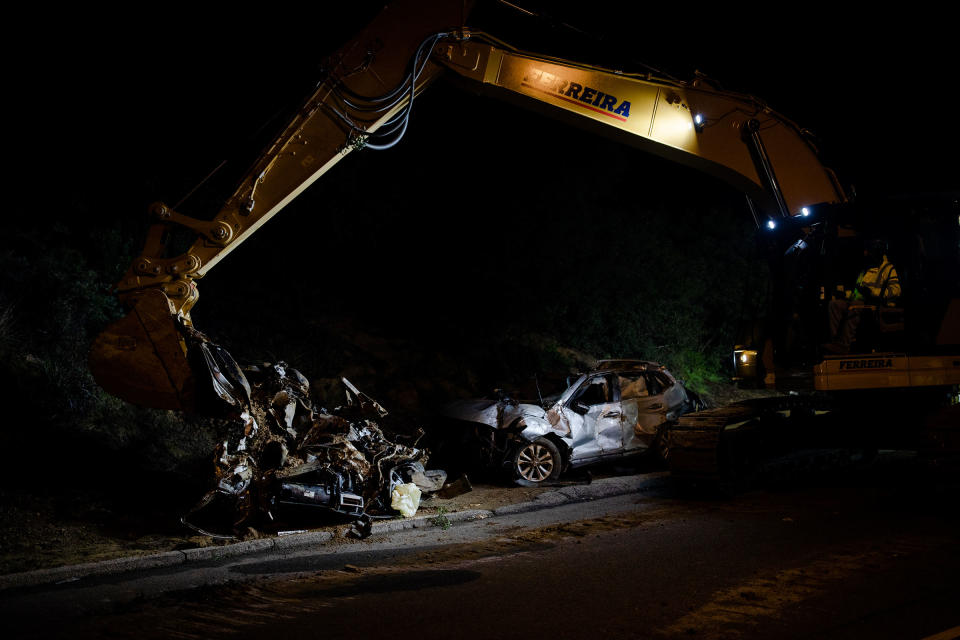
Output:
x=633 y=386
x=654 y=384
x=663 y=382
x=596 y=391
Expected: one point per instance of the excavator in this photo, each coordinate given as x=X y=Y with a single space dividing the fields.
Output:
x=808 y=224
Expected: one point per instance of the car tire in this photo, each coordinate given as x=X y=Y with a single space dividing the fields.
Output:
x=661 y=443
x=535 y=463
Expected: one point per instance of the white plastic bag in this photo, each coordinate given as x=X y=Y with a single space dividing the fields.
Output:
x=406 y=499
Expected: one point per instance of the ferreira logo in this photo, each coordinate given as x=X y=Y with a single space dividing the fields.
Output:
x=866 y=364
x=587 y=97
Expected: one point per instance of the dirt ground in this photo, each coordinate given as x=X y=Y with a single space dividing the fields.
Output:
x=36 y=532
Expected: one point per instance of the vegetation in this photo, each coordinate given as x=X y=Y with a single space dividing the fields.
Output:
x=441 y=519
x=54 y=298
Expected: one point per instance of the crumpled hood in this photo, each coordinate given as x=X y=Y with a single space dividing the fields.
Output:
x=496 y=413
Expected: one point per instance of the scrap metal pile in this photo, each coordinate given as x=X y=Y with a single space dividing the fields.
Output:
x=288 y=451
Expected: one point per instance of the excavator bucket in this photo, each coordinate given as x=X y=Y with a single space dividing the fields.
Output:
x=141 y=358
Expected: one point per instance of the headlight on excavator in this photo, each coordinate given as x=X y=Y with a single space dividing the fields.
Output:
x=744 y=364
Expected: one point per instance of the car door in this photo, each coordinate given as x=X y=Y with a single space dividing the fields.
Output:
x=599 y=431
x=652 y=411
x=643 y=407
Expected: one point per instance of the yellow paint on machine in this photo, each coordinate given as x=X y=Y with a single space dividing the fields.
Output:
x=949 y=634
x=649 y=110
x=886 y=370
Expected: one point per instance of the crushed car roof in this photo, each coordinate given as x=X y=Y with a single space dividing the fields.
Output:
x=624 y=364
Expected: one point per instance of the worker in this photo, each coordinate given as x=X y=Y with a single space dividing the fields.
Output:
x=878 y=285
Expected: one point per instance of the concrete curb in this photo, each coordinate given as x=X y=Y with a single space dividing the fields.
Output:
x=301 y=541
x=73 y=572
x=604 y=488
x=201 y=554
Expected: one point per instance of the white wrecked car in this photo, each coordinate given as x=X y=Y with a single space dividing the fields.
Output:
x=615 y=410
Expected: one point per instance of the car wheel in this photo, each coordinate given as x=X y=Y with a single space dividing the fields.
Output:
x=661 y=443
x=533 y=463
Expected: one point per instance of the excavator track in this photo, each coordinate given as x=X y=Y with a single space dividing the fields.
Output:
x=694 y=442
x=724 y=442
x=794 y=433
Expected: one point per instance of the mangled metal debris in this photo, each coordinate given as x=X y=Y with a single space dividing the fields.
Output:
x=288 y=451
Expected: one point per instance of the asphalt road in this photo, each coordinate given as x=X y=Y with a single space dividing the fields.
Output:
x=868 y=554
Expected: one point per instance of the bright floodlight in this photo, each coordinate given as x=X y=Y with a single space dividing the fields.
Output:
x=805 y=211
x=771 y=224
x=698 y=119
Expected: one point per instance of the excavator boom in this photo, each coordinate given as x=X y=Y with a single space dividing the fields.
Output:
x=731 y=136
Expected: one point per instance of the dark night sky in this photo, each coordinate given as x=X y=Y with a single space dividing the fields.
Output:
x=163 y=96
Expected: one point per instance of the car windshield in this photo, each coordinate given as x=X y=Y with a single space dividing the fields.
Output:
x=571 y=389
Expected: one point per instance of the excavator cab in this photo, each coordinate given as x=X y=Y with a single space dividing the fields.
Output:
x=920 y=239
x=817 y=258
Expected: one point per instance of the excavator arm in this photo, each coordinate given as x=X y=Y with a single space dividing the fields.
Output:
x=365 y=101
x=148 y=357
x=731 y=136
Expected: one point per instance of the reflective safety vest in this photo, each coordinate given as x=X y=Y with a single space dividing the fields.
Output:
x=881 y=282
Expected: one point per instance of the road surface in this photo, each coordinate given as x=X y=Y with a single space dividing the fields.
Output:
x=872 y=553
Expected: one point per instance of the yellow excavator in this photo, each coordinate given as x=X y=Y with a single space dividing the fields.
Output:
x=151 y=358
